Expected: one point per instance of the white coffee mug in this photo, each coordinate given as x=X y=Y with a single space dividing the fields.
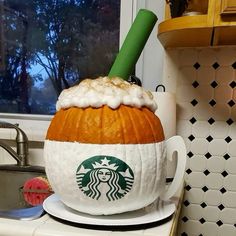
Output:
x=112 y=178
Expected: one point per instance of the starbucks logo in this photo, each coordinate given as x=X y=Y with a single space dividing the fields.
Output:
x=104 y=177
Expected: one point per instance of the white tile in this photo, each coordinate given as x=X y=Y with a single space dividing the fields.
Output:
x=211 y=213
x=199 y=146
x=202 y=111
x=226 y=56
x=230 y=182
x=188 y=56
x=197 y=163
x=187 y=75
x=196 y=179
x=184 y=111
x=185 y=93
x=226 y=230
x=219 y=129
x=223 y=93
x=192 y=227
x=193 y=212
x=230 y=166
x=212 y=197
x=184 y=128
x=201 y=129
x=207 y=56
x=204 y=93
x=221 y=112
x=214 y=181
x=209 y=229
x=215 y=164
x=232 y=148
x=232 y=129
x=229 y=199
x=205 y=75
x=218 y=147
x=195 y=195
x=228 y=216
x=224 y=75
x=233 y=116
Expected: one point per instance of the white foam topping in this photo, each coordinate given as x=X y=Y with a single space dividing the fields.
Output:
x=105 y=91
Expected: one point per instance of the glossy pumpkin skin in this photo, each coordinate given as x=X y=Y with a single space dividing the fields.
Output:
x=125 y=125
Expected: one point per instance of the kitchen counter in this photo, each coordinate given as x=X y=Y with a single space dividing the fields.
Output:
x=48 y=226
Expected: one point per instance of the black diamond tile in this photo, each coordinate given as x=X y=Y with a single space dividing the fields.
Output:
x=235 y=225
x=206 y=172
x=186 y=203
x=196 y=65
x=221 y=207
x=192 y=120
x=191 y=137
x=188 y=171
x=194 y=102
x=212 y=102
x=226 y=156
x=208 y=155
x=231 y=103
x=205 y=189
x=185 y=219
x=223 y=190
x=190 y=154
x=234 y=65
x=224 y=173
x=219 y=223
x=195 y=84
x=188 y=187
x=232 y=84
x=211 y=121
x=214 y=84
x=203 y=205
x=228 y=139
x=184 y=234
x=202 y=220
x=200 y=235
x=215 y=65
x=229 y=121
x=209 y=138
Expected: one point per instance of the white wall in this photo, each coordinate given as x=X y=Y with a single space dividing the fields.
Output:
x=150 y=65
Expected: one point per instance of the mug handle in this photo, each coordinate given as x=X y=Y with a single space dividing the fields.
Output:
x=175 y=143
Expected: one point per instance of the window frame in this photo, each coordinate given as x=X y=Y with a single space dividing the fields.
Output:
x=28 y=121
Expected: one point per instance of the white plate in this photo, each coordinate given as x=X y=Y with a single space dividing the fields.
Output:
x=155 y=212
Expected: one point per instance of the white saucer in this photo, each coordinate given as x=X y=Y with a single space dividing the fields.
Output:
x=153 y=213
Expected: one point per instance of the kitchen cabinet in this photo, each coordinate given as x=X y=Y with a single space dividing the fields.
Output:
x=204 y=23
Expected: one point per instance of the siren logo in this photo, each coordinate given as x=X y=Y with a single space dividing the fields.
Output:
x=104 y=177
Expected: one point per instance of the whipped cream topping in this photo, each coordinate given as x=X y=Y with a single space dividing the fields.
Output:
x=105 y=91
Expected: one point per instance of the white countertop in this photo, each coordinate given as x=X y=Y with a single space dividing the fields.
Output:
x=47 y=226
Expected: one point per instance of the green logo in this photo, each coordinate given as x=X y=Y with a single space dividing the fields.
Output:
x=104 y=177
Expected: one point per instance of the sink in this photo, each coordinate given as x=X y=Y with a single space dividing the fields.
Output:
x=12 y=199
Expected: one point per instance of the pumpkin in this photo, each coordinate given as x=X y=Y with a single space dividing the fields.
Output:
x=126 y=125
x=103 y=160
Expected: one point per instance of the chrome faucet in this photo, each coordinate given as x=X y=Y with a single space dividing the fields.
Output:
x=21 y=154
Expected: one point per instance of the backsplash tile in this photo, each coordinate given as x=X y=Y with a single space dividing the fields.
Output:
x=206 y=117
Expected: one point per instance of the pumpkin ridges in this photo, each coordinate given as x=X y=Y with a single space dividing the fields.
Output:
x=152 y=118
x=121 y=125
x=106 y=126
x=132 y=124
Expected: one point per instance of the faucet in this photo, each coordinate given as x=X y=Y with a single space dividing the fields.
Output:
x=21 y=154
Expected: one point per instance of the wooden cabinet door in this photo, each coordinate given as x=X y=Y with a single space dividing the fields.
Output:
x=228 y=7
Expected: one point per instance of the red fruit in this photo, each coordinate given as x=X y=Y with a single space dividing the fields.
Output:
x=36 y=190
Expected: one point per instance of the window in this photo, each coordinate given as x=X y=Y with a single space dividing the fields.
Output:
x=49 y=45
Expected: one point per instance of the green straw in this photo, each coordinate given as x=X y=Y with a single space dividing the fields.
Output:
x=133 y=44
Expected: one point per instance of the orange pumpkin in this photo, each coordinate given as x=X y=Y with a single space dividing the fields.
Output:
x=125 y=125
